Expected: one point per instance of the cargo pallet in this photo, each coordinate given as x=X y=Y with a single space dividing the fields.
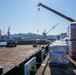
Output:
x=45 y=69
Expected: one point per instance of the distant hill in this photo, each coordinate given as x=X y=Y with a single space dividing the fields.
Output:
x=31 y=36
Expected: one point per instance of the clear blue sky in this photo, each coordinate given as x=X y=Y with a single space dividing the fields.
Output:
x=23 y=16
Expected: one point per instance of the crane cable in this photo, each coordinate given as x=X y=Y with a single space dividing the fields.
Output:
x=37 y=21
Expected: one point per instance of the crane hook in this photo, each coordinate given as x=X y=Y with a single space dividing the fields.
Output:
x=38 y=9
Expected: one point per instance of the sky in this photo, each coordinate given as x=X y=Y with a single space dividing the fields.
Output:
x=23 y=16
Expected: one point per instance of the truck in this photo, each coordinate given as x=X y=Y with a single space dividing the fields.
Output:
x=11 y=43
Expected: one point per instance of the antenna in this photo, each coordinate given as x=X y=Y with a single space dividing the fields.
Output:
x=3 y=30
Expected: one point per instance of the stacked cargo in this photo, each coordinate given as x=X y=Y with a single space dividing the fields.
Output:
x=72 y=40
x=58 y=51
x=72 y=30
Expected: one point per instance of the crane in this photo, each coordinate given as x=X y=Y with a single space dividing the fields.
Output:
x=8 y=33
x=56 y=12
x=10 y=42
x=45 y=33
x=73 y=22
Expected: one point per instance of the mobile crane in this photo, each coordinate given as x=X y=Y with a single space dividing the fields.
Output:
x=45 y=33
x=10 y=42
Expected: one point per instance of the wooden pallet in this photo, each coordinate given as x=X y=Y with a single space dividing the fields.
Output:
x=57 y=65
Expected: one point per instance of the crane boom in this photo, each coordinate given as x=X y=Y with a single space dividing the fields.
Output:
x=45 y=33
x=52 y=28
x=56 y=12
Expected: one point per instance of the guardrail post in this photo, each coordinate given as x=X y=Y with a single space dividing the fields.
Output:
x=28 y=66
x=42 y=54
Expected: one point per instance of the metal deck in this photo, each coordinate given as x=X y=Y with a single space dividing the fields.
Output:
x=11 y=57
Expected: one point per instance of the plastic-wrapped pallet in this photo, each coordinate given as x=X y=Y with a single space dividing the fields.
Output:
x=58 y=57
x=57 y=51
x=58 y=46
